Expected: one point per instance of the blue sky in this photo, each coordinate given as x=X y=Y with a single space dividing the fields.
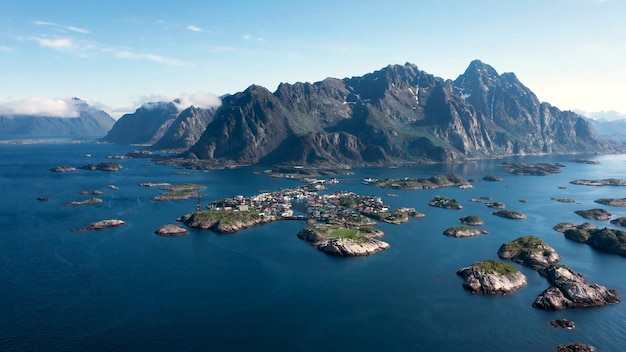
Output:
x=119 y=54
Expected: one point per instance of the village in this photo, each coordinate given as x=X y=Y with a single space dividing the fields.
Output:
x=307 y=203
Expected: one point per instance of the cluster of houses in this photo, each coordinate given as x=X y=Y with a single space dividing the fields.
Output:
x=306 y=200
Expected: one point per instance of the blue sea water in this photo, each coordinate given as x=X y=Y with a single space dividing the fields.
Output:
x=263 y=288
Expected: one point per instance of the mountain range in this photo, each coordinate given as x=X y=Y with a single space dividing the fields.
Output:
x=396 y=115
x=90 y=121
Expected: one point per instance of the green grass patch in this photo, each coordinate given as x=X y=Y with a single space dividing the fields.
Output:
x=491 y=266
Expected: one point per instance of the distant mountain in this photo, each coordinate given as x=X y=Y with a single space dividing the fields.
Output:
x=90 y=122
x=396 y=115
x=613 y=130
x=161 y=125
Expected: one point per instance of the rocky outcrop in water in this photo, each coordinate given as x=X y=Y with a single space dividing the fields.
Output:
x=594 y=214
x=529 y=251
x=104 y=166
x=355 y=243
x=103 y=224
x=492 y=277
x=570 y=289
x=171 y=230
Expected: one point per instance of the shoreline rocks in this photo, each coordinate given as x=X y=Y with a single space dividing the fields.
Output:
x=570 y=289
x=563 y=323
x=84 y=202
x=492 y=277
x=171 y=230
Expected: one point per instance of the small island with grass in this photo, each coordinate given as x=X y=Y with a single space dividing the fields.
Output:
x=509 y=214
x=529 y=251
x=463 y=231
x=472 y=220
x=594 y=214
x=537 y=169
x=604 y=239
x=614 y=202
x=445 y=202
x=178 y=192
x=438 y=181
x=492 y=277
x=336 y=239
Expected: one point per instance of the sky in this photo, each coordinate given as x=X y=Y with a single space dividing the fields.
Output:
x=119 y=54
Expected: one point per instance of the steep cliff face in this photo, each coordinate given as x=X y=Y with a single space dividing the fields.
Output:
x=398 y=114
x=145 y=126
x=186 y=130
x=248 y=126
x=90 y=122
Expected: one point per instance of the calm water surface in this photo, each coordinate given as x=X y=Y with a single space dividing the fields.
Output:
x=265 y=289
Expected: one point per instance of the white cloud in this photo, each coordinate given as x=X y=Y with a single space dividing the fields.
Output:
x=59 y=43
x=6 y=48
x=58 y=26
x=199 y=100
x=182 y=101
x=41 y=107
x=246 y=37
x=195 y=29
x=125 y=54
x=78 y=30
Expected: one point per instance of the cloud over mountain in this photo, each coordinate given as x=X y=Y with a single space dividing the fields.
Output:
x=41 y=107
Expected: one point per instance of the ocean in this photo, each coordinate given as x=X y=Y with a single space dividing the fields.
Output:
x=263 y=288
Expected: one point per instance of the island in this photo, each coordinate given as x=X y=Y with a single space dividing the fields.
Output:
x=614 y=202
x=575 y=347
x=62 y=169
x=472 y=220
x=594 y=214
x=445 y=202
x=570 y=289
x=492 y=178
x=621 y=221
x=563 y=323
x=509 y=214
x=103 y=224
x=492 y=277
x=104 y=166
x=438 y=181
x=496 y=205
x=584 y=161
x=605 y=239
x=92 y=192
x=232 y=214
x=537 y=169
x=463 y=231
x=83 y=202
x=600 y=183
x=178 y=192
x=529 y=251
x=171 y=230
x=564 y=200
x=225 y=221
x=336 y=239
